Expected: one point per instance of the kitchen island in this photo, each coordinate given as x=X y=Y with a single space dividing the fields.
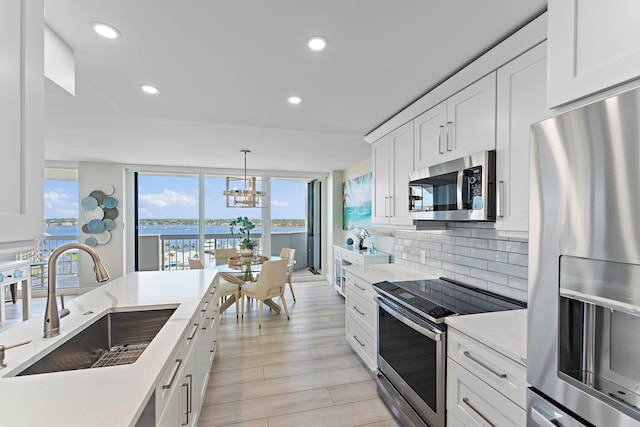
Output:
x=127 y=394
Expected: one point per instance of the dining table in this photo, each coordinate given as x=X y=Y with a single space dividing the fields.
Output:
x=240 y=270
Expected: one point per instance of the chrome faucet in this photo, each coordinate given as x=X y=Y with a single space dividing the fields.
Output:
x=51 y=314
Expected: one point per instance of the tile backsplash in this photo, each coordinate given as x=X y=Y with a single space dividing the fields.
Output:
x=472 y=253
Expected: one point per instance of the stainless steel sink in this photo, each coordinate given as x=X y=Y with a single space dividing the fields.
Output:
x=117 y=338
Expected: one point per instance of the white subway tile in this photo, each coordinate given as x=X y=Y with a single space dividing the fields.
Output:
x=508 y=269
x=490 y=276
x=518 y=259
x=472 y=243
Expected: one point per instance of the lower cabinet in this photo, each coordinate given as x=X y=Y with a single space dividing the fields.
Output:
x=484 y=387
x=360 y=319
x=183 y=384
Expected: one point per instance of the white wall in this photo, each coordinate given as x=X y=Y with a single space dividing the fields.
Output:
x=94 y=176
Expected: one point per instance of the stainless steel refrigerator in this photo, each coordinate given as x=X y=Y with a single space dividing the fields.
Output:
x=584 y=266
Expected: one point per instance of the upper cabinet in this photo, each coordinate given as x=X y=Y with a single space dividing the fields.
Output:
x=593 y=45
x=521 y=102
x=463 y=124
x=392 y=161
x=21 y=123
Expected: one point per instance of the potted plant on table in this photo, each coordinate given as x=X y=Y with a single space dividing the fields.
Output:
x=244 y=224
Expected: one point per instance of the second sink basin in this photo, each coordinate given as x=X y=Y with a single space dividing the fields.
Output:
x=117 y=338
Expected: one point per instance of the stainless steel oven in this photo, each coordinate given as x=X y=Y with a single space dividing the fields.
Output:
x=412 y=342
x=411 y=361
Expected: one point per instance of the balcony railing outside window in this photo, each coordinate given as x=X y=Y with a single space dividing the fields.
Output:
x=66 y=265
x=178 y=248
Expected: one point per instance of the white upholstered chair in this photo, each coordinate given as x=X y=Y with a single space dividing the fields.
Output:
x=222 y=255
x=270 y=284
x=290 y=255
x=195 y=264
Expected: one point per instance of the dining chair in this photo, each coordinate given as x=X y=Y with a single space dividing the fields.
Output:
x=195 y=264
x=228 y=292
x=290 y=255
x=270 y=284
x=222 y=255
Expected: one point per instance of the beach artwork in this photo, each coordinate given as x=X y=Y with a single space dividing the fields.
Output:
x=356 y=202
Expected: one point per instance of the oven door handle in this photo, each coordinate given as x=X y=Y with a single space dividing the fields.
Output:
x=424 y=331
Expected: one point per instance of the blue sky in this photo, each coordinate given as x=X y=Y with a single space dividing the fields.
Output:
x=177 y=197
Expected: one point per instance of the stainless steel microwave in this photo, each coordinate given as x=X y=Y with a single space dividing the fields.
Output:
x=463 y=189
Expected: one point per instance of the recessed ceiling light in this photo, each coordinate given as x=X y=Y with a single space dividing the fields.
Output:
x=317 y=43
x=152 y=90
x=106 y=31
x=295 y=100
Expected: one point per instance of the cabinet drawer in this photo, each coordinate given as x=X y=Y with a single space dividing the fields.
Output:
x=347 y=256
x=13 y=274
x=474 y=403
x=358 y=260
x=169 y=380
x=359 y=286
x=362 y=343
x=364 y=311
x=503 y=374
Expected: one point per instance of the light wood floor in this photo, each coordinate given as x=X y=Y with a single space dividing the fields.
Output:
x=299 y=372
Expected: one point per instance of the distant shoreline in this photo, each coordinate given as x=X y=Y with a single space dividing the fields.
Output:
x=276 y=223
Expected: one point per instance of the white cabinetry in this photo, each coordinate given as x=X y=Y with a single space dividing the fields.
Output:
x=392 y=158
x=21 y=123
x=521 y=102
x=484 y=387
x=360 y=319
x=344 y=256
x=463 y=124
x=593 y=45
x=181 y=390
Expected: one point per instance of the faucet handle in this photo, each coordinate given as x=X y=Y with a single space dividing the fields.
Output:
x=7 y=347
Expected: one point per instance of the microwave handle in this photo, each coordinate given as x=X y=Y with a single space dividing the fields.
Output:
x=461 y=182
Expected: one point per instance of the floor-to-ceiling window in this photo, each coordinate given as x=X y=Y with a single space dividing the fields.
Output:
x=185 y=215
x=168 y=220
x=60 y=226
x=218 y=215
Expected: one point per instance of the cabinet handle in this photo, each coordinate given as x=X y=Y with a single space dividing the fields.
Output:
x=488 y=368
x=205 y=324
x=173 y=376
x=356 y=285
x=190 y=393
x=355 y=337
x=186 y=412
x=386 y=207
x=466 y=401
x=193 y=334
x=500 y=200
x=356 y=309
x=440 y=140
x=392 y=210
x=213 y=346
x=449 y=144
x=204 y=308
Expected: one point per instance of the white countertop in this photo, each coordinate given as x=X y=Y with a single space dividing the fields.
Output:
x=391 y=272
x=504 y=331
x=112 y=396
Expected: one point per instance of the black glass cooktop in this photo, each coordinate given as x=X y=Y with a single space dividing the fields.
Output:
x=440 y=298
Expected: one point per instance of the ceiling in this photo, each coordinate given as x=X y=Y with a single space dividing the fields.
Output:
x=225 y=69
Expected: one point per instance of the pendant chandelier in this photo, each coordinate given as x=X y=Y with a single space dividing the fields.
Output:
x=245 y=192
